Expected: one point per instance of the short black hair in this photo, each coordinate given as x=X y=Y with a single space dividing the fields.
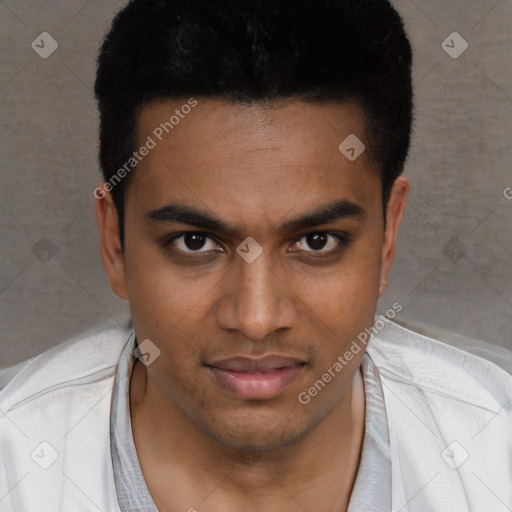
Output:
x=256 y=51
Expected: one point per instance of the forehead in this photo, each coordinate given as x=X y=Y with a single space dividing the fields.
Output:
x=316 y=127
x=231 y=157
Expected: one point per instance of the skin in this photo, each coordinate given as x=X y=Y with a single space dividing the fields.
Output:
x=253 y=167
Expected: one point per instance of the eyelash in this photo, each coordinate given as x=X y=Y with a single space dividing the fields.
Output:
x=343 y=238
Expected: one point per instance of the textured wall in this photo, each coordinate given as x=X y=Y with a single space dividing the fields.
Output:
x=453 y=269
x=453 y=266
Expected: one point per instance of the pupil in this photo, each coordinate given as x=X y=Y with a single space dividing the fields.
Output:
x=194 y=241
x=317 y=241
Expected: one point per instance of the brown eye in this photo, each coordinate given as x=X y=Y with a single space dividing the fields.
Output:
x=317 y=241
x=194 y=241
x=321 y=242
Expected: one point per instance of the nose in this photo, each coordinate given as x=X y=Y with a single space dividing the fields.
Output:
x=256 y=300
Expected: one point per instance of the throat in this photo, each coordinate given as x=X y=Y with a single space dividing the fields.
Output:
x=317 y=472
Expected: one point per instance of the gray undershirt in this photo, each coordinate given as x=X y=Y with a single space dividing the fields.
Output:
x=372 y=488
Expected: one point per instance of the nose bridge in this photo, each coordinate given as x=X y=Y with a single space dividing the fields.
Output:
x=256 y=282
x=258 y=303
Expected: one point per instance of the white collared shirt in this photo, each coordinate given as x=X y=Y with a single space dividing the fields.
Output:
x=438 y=430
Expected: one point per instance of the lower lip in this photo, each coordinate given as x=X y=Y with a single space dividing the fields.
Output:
x=256 y=386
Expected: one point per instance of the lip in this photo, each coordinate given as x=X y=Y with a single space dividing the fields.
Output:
x=256 y=379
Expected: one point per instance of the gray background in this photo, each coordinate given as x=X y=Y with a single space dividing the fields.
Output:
x=452 y=270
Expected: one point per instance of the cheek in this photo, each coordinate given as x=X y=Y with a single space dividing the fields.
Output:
x=160 y=297
x=352 y=288
x=346 y=307
x=342 y=304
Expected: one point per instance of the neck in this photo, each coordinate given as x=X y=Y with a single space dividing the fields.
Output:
x=185 y=468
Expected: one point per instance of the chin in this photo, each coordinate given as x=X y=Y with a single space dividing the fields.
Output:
x=264 y=443
x=251 y=439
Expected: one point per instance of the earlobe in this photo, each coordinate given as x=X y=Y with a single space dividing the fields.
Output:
x=110 y=243
x=395 y=213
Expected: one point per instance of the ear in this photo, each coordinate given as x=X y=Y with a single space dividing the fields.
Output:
x=110 y=242
x=395 y=212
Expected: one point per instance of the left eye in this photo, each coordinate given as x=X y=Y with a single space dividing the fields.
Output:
x=192 y=242
x=318 y=242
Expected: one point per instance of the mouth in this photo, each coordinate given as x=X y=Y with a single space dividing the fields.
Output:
x=256 y=379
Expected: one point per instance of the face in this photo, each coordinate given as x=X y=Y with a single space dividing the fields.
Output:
x=254 y=256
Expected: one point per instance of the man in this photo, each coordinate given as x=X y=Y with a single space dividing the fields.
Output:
x=252 y=154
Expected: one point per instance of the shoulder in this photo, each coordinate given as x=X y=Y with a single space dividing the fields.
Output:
x=406 y=357
x=448 y=413
x=85 y=359
x=55 y=421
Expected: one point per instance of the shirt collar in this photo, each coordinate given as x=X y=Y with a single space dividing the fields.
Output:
x=372 y=488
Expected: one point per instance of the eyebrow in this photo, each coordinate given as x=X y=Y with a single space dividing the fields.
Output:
x=326 y=214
